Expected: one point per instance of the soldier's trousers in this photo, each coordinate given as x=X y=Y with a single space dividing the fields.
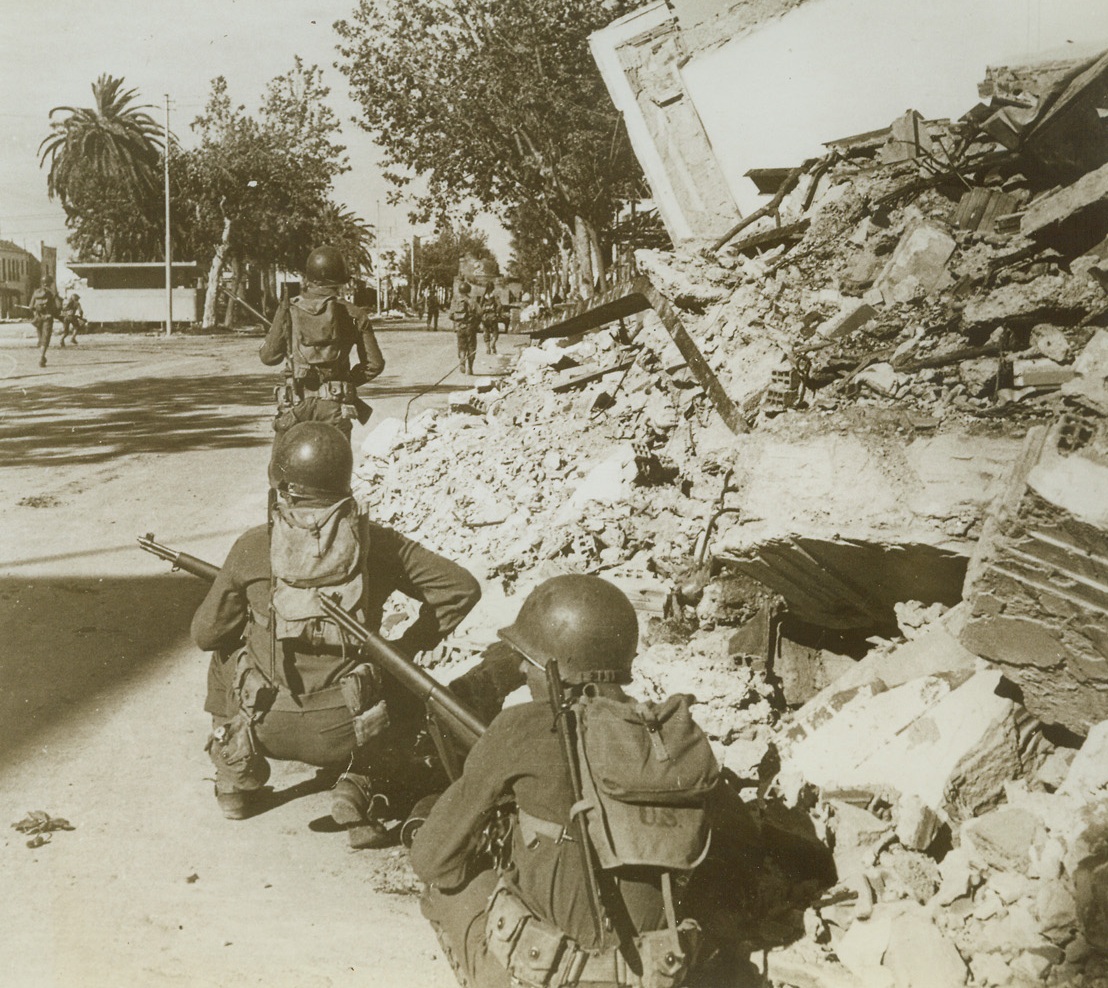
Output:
x=492 y=334
x=467 y=349
x=313 y=409
x=458 y=920
x=44 y=327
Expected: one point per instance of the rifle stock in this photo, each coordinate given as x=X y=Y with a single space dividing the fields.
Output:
x=566 y=734
x=443 y=707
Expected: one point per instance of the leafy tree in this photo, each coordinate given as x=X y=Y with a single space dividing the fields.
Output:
x=496 y=101
x=104 y=167
x=259 y=186
x=440 y=256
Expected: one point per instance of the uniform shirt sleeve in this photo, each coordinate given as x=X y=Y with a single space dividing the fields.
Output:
x=275 y=347
x=220 y=620
x=447 y=591
x=443 y=846
x=369 y=352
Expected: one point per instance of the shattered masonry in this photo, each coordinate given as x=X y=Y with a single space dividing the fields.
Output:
x=862 y=513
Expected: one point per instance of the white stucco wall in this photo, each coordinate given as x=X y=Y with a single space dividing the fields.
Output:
x=833 y=68
x=604 y=45
x=122 y=305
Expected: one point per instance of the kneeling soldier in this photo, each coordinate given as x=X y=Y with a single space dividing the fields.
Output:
x=284 y=682
x=595 y=815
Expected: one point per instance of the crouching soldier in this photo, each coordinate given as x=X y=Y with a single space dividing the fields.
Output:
x=315 y=334
x=296 y=689
x=73 y=319
x=558 y=856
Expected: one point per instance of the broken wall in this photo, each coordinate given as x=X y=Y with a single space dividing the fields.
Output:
x=788 y=77
x=1038 y=584
x=639 y=57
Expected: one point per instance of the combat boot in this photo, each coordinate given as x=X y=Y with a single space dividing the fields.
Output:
x=355 y=806
x=241 y=804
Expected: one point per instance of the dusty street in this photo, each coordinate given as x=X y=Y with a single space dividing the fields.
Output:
x=101 y=689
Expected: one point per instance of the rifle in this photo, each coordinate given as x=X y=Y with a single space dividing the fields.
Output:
x=563 y=712
x=444 y=709
x=246 y=305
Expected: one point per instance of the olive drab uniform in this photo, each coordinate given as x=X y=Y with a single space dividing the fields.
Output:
x=44 y=308
x=528 y=921
x=73 y=319
x=491 y=316
x=291 y=686
x=315 y=334
x=466 y=316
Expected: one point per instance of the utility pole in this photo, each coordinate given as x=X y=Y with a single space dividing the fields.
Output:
x=168 y=243
x=380 y=257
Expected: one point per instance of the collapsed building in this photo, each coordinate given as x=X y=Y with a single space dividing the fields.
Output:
x=850 y=463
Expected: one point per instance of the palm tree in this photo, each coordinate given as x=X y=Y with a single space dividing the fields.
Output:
x=113 y=143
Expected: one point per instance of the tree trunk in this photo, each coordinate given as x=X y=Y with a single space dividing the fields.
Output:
x=599 y=264
x=214 y=274
x=582 y=257
x=236 y=281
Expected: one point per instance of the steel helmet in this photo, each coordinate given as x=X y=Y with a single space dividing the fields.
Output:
x=584 y=622
x=326 y=266
x=312 y=459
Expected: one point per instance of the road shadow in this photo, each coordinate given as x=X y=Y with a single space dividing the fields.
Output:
x=109 y=419
x=65 y=642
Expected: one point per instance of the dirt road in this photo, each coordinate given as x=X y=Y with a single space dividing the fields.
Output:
x=101 y=689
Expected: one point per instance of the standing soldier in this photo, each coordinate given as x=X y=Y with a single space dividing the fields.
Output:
x=73 y=319
x=491 y=314
x=529 y=906
x=44 y=307
x=315 y=333
x=465 y=315
x=284 y=682
x=433 y=309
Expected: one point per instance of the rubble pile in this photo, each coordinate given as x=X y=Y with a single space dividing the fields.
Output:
x=884 y=581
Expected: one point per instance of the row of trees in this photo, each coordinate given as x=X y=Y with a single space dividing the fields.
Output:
x=499 y=104
x=255 y=188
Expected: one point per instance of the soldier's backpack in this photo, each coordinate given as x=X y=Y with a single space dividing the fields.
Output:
x=315 y=550
x=647 y=771
x=316 y=333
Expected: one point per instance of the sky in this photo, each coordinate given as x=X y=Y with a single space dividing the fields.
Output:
x=51 y=53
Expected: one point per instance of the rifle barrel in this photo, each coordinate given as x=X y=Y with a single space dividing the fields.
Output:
x=468 y=727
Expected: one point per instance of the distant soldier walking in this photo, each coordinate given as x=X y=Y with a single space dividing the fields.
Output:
x=316 y=333
x=44 y=308
x=466 y=316
x=73 y=319
x=491 y=314
x=433 y=310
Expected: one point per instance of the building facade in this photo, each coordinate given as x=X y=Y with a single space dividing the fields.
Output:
x=19 y=274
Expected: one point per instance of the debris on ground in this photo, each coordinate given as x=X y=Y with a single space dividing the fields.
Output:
x=41 y=825
x=885 y=579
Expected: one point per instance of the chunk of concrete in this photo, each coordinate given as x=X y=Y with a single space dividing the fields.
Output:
x=859 y=836
x=1091 y=372
x=1002 y=839
x=854 y=315
x=918 y=264
x=1088 y=773
x=1036 y=584
x=920 y=956
x=1082 y=205
x=917 y=825
x=1040 y=372
x=962 y=743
